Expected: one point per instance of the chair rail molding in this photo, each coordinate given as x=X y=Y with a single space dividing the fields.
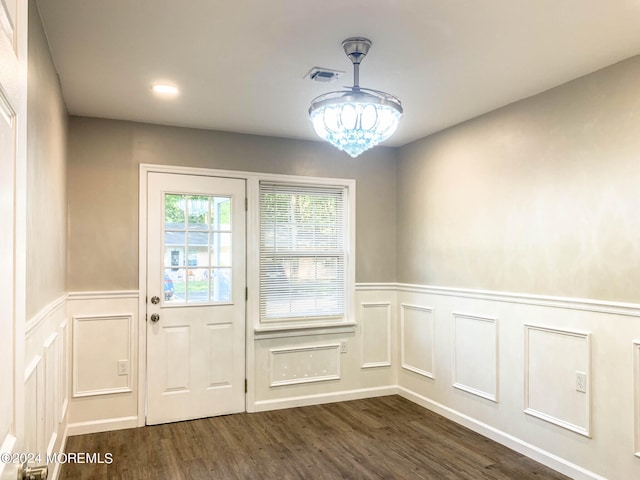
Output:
x=103 y=295
x=584 y=304
x=49 y=310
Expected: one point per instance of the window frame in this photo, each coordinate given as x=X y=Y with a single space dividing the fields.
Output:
x=348 y=319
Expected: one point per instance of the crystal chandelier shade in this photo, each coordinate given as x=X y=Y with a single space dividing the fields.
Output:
x=356 y=119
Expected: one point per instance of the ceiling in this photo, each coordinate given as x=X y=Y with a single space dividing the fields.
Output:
x=240 y=64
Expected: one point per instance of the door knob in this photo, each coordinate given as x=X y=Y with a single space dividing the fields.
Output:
x=26 y=472
x=155 y=300
x=155 y=317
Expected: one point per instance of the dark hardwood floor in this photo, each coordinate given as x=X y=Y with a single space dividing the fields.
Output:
x=377 y=438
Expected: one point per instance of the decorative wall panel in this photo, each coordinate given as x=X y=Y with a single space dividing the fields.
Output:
x=34 y=406
x=376 y=334
x=52 y=390
x=416 y=334
x=317 y=363
x=99 y=343
x=636 y=396
x=553 y=360
x=65 y=369
x=475 y=355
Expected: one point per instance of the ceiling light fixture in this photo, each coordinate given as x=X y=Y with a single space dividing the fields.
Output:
x=164 y=89
x=359 y=118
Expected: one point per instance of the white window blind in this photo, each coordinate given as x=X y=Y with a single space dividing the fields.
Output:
x=302 y=252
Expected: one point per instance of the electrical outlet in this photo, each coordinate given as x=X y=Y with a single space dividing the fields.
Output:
x=581 y=382
x=123 y=367
x=343 y=346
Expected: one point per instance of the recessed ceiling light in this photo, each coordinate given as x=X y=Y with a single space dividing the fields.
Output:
x=165 y=89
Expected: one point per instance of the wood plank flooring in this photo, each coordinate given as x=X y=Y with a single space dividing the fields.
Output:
x=377 y=438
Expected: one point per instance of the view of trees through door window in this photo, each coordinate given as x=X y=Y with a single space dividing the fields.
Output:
x=197 y=249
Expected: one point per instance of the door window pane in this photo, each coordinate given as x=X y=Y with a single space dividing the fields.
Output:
x=198 y=285
x=173 y=212
x=174 y=285
x=221 y=249
x=221 y=212
x=198 y=249
x=174 y=257
x=197 y=241
x=221 y=285
x=198 y=210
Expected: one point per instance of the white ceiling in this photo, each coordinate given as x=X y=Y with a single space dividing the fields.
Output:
x=240 y=63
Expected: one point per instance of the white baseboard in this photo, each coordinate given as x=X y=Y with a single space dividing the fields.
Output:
x=539 y=455
x=105 y=425
x=307 y=400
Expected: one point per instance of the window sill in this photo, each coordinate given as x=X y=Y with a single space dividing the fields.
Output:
x=303 y=330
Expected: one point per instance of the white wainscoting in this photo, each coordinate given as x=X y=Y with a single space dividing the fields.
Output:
x=375 y=319
x=417 y=334
x=65 y=364
x=552 y=359
x=582 y=335
x=99 y=343
x=34 y=405
x=46 y=385
x=51 y=387
x=533 y=352
x=318 y=363
x=104 y=331
x=636 y=396
x=101 y=336
x=475 y=355
x=322 y=365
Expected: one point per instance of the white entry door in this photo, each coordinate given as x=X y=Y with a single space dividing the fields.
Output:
x=195 y=296
x=13 y=90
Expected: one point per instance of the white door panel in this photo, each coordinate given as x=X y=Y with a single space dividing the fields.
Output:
x=196 y=269
x=13 y=89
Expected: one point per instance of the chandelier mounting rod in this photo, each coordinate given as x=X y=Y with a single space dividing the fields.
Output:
x=356 y=49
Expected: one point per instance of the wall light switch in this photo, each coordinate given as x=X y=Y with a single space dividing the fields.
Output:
x=123 y=367
x=343 y=346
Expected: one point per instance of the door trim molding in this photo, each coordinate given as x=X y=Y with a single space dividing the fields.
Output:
x=142 y=297
x=144 y=170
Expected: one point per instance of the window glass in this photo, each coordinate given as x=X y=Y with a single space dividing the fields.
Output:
x=302 y=252
x=197 y=249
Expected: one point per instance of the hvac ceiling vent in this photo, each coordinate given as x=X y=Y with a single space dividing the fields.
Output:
x=324 y=75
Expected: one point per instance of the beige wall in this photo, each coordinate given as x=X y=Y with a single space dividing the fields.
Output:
x=103 y=191
x=541 y=196
x=537 y=197
x=46 y=174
